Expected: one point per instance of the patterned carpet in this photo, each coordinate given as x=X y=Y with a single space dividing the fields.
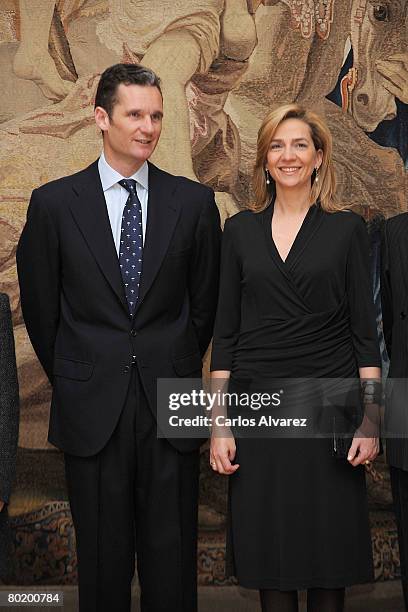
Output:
x=43 y=538
x=44 y=549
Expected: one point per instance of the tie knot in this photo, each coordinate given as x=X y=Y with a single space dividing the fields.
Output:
x=129 y=185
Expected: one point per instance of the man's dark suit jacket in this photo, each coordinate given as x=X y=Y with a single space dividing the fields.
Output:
x=75 y=308
x=394 y=303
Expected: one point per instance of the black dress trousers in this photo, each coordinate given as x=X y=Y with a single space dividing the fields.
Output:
x=138 y=494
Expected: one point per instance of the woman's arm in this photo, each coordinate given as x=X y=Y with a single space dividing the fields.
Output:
x=223 y=448
x=365 y=445
x=386 y=291
x=226 y=334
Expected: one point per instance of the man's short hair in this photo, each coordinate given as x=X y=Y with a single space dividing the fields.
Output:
x=126 y=74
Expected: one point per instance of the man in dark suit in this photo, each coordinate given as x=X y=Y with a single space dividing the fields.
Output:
x=118 y=270
x=394 y=302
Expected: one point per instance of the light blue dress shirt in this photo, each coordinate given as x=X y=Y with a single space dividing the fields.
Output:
x=116 y=196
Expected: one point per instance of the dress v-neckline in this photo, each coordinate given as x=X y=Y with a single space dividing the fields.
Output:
x=307 y=230
x=297 y=237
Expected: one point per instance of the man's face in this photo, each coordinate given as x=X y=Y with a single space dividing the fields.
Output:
x=132 y=132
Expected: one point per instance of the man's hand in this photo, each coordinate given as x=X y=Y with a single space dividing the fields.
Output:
x=2 y=504
x=395 y=72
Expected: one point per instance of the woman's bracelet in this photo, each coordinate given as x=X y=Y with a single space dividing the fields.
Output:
x=371 y=391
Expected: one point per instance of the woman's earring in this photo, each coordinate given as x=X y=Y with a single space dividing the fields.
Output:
x=268 y=180
x=317 y=175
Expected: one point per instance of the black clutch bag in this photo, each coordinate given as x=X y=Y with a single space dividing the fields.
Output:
x=348 y=421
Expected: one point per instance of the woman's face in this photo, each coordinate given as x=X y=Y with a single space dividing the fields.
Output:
x=292 y=156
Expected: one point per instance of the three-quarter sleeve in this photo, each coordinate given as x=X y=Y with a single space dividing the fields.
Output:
x=360 y=300
x=228 y=318
x=386 y=292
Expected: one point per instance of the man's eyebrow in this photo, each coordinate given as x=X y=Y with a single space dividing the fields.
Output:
x=139 y=110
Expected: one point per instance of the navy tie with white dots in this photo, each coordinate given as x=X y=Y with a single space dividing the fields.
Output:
x=131 y=244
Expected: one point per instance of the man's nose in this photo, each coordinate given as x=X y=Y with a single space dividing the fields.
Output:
x=147 y=125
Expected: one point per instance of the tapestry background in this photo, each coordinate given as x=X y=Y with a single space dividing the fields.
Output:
x=224 y=64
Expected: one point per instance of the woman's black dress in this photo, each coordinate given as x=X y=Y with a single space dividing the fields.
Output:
x=298 y=517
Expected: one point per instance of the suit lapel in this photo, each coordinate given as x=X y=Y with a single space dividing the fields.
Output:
x=91 y=215
x=162 y=214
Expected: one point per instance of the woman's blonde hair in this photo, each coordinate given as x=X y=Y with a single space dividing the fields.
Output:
x=322 y=190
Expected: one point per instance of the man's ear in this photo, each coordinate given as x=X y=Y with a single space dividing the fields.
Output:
x=101 y=118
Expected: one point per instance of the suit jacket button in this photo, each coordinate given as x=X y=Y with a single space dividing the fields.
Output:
x=403 y=315
x=126 y=369
x=133 y=332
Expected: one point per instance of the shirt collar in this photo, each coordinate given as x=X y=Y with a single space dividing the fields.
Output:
x=110 y=177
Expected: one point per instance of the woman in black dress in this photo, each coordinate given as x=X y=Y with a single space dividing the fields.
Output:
x=295 y=302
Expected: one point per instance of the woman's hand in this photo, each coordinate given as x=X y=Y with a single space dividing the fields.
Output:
x=363 y=450
x=222 y=453
x=2 y=504
x=222 y=449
